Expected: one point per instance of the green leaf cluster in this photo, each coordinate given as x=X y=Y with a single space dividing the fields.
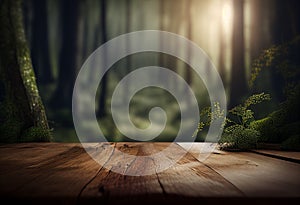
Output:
x=209 y=115
x=282 y=125
x=238 y=134
x=282 y=59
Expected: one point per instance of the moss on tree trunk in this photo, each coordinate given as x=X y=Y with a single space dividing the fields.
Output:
x=22 y=114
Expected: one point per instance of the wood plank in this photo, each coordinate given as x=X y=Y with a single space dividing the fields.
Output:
x=65 y=173
x=17 y=161
x=256 y=175
x=191 y=178
x=60 y=176
x=188 y=178
x=112 y=187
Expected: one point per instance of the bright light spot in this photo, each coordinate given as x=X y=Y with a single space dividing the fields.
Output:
x=227 y=17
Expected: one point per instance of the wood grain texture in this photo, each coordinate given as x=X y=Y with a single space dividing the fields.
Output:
x=257 y=175
x=44 y=170
x=65 y=173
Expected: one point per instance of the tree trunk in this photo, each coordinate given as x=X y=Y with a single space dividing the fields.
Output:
x=189 y=36
x=162 y=13
x=282 y=24
x=39 y=43
x=238 y=85
x=257 y=36
x=222 y=52
x=128 y=47
x=22 y=114
x=62 y=97
x=101 y=109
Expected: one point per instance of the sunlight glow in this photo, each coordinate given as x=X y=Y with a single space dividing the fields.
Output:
x=227 y=17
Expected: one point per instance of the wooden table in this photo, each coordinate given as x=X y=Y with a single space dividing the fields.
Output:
x=48 y=173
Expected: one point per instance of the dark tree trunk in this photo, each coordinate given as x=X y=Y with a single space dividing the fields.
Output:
x=238 y=85
x=128 y=46
x=283 y=26
x=257 y=36
x=103 y=89
x=162 y=57
x=28 y=14
x=162 y=12
x=22 y=114
x=85 y=34
x=222 y=71
x=176 y=19
x=189 y=36
x=62 y=97
x=39 y=43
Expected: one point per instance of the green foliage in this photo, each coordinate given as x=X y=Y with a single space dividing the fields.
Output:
x=239 y=137
x=207 y=117
x=269 y=127
x=11 y=125
x=284 y=122
x=283 y=125
x=35 y=134
x=274 y=128
x=266 y=128
x=13 y=128
x=243 y=136
x=279 y=125
x=264 y=61
x=242 y=131
x=10 y=131
x=283 y=59
x=238 y=134
x=243 y=114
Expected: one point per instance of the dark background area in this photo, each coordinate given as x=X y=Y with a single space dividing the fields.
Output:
x=61 y=34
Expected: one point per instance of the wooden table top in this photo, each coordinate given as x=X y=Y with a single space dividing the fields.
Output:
x=64 y=173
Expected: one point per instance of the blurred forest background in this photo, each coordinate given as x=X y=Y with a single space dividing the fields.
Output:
x=62 y=34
